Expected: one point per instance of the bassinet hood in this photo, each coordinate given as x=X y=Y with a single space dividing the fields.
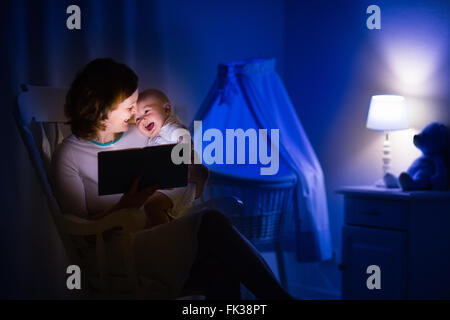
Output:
x=250 y=95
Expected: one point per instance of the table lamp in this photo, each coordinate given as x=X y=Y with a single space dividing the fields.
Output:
x=387 y=113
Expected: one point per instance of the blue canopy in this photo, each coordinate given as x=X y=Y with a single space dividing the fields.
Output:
x=250 y=94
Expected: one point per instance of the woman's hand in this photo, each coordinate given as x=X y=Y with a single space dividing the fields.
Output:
x=134 y=198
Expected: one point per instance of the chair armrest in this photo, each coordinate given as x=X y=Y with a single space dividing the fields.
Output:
x=124 y=219
x=229 y=205
x=129 y=220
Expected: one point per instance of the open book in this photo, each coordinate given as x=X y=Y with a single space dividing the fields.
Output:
x=117 y=169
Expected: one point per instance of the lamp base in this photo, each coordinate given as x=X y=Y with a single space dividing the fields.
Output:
x=389 y=181
x=380 y=183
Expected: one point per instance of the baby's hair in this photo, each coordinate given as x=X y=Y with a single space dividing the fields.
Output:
x=163 y=99
x=158 y=94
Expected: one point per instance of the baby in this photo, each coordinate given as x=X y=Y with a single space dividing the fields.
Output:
x=156 y=120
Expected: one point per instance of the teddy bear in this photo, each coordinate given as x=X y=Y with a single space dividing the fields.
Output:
x=430 y=171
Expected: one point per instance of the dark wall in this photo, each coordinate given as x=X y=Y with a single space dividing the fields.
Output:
x=198 y=35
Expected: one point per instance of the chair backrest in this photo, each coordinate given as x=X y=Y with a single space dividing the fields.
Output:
x=39 y=115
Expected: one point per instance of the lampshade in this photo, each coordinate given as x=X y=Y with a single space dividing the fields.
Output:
x=387 y=113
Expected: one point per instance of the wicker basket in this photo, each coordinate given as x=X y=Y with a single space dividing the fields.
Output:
x=265 y=203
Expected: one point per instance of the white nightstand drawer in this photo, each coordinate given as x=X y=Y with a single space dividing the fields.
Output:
x=376 y=212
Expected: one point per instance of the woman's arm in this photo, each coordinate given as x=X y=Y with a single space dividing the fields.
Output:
x=67 y=183
x=70 y=190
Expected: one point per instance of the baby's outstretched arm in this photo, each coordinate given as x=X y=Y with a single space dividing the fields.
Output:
x=198 y=174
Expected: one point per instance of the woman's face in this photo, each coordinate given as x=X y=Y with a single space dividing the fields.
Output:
x=119 y=118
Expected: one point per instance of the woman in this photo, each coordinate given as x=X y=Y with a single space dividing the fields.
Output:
x=201 y=251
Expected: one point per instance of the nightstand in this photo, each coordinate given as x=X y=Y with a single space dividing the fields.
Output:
x=405 y=234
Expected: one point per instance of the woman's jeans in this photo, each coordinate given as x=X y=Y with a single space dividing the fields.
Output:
x=226 y=259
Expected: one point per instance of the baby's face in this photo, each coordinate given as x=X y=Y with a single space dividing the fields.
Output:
x=150 y=116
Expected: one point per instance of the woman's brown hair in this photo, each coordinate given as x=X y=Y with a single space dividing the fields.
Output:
x=97 y=89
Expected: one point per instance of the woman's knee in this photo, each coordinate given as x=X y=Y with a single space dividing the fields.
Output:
x=214 y=217
x=214 y=223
